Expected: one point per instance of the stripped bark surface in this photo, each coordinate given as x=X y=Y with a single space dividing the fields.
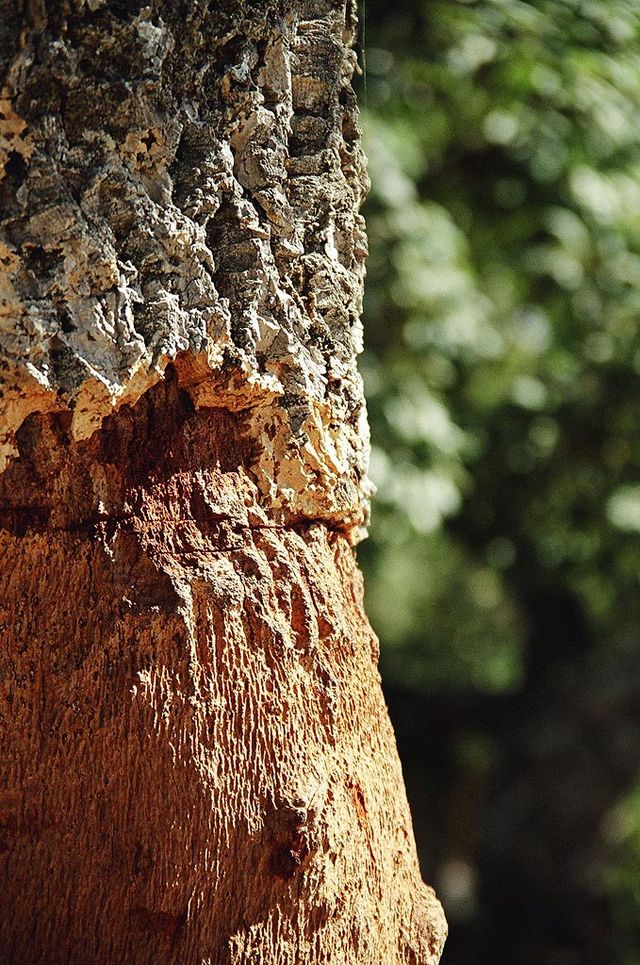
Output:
x=197 y=765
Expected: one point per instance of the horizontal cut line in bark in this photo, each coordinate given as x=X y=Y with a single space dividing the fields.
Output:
x=19 y=520
x=157 y=462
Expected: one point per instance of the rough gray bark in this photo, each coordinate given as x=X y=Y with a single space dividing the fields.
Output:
x=197 y=764
x=186 y=180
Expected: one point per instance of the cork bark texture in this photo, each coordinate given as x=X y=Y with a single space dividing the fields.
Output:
x=196 y=764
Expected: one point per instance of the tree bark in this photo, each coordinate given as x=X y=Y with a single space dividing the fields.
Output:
x=196 y=761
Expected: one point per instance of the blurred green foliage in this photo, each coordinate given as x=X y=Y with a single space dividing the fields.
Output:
x=502 y=365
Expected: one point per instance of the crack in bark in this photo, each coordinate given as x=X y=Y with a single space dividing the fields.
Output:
x=26 y=523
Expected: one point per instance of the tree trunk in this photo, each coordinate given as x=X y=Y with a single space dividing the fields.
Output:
x=196 y=761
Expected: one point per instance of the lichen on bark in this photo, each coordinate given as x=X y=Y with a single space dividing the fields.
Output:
x=197 y=762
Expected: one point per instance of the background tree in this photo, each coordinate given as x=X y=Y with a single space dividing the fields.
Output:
x=502 y=371
x=196 y=763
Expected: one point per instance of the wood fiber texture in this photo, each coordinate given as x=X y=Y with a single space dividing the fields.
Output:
x=196 y=764
x=196 y=757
